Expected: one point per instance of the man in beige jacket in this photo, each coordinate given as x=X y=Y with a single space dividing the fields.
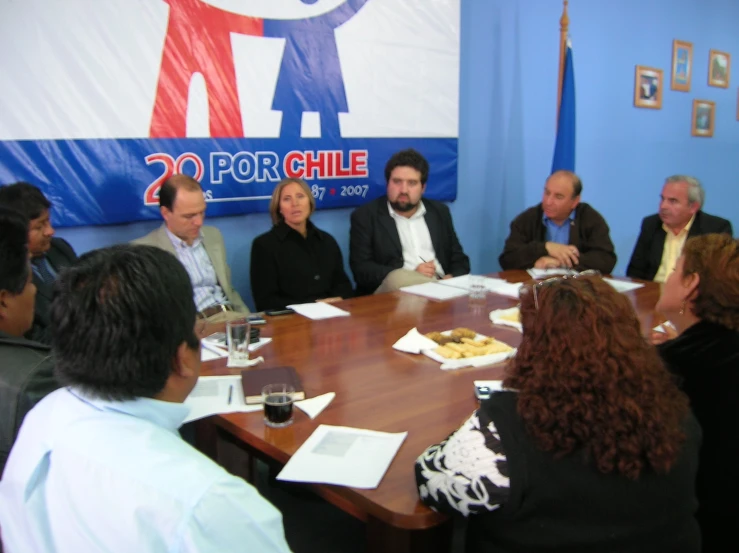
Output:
x=199 y=248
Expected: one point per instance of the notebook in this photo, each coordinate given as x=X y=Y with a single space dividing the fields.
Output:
x=253 y=380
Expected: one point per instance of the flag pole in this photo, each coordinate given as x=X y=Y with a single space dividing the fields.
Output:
x=564 y=25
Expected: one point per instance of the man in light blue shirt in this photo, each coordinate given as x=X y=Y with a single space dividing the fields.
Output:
x=99 y=465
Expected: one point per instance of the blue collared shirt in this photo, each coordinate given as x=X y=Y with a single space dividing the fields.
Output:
x=559 y=234
x=206 y=290
x=93 y=475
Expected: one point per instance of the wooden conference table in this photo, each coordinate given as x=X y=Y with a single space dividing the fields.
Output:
x=379 y=388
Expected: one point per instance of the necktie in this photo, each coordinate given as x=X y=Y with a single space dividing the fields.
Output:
x=42 y=270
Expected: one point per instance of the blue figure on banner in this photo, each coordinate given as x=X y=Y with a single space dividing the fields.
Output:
x=310 y=76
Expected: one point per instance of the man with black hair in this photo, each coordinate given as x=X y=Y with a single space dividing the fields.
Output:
x=199 y=248
x=26 y=371
x=49 y=255
x=99 y=465
x=402 y=238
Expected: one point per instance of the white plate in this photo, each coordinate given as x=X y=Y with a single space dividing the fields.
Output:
x=480 y=361
x=495 y=317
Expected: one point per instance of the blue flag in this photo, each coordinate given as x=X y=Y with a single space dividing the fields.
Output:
x=564 y=147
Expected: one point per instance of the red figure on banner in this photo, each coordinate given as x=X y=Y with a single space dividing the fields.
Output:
x=199 y=41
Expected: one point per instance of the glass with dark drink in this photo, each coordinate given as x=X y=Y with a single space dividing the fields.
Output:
x=278 y=405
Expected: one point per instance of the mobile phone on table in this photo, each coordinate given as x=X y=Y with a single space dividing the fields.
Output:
x=256 y=320
x=483 y=392
x=276 y=312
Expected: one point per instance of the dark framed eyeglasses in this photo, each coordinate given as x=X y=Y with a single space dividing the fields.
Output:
x=550 y=281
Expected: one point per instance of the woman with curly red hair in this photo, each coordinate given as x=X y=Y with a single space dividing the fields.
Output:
x=592 y=448
x=701 y=298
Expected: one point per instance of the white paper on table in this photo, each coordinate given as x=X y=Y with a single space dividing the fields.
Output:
x=210 y=351
x=315 y=405
x=210 y=397
x=435 y=291
x=546 y=273
x=414 y=342
x=496 y=316
x=318 y=310
x=623 y=285
x=343 y=456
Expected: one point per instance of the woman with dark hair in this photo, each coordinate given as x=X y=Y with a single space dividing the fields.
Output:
x=591 y=448
x=295 y=262
x=701 y=299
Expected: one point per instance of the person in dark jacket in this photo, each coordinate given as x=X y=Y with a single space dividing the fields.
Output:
x=296 y=262
x=49 y=255
x=591 y=447
x=663 y=234
x=701 y=299
x=26 y=370
x=403 y=238
x=560 y=232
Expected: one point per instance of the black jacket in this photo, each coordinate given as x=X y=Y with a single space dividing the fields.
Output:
x=647 y=256
x=287 y=268
x=26 y=377
x=566 y=504
x=60 y=255
x=375 y=249
x=706 y=360
x=588 y=232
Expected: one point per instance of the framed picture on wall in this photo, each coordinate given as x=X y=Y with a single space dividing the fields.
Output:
x=682 y=65
x=648 y=87
x=704 y=116
x=719 y=69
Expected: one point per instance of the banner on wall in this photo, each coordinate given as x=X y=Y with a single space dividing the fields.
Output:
x=102 y=101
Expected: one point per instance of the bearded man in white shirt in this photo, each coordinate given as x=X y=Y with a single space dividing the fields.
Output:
x=402 y=238
x=99 y=464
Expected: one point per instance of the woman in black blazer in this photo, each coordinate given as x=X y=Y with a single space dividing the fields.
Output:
x=701 y=299
x=296 y=262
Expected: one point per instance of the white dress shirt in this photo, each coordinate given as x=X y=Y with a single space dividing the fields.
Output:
x=114 y=476
x=415 y=239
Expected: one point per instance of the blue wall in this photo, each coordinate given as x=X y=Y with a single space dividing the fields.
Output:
x=509 y=68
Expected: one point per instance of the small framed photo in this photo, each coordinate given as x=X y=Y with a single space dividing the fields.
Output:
x=719 y=69
x=682 y=65
x=648 y=87
x=704 y=116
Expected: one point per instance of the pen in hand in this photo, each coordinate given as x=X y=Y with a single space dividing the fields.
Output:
x=230 y=393
x=436 y=269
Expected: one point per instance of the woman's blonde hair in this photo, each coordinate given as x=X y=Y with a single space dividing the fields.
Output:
x=274 y=204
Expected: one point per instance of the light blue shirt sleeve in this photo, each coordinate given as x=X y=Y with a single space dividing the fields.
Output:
x=232 y=517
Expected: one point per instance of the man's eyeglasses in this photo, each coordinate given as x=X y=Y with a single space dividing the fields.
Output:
x=554 y=280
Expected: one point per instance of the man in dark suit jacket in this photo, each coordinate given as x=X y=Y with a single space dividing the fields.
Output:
x=49 y=255
x=401 y=239
x=26 y=371
x=559 y=232
x=680 y=209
